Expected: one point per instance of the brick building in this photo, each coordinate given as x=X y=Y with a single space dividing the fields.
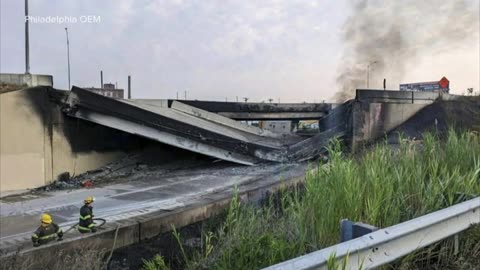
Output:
x=108 y=90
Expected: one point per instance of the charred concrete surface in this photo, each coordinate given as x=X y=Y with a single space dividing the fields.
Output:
x=76 y=131
x=38 y=142
x=143 y=207
x=185 y=127
x=264 y=111
x=376 y=113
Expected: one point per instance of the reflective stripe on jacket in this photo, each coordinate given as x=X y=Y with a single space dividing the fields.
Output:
x=47 y=233
x=85 y=222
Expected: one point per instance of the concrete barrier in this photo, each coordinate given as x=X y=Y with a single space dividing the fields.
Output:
x=406 y=97
x=27 y=79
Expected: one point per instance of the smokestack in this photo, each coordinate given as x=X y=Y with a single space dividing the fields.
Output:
x=129 y=87
x=101 y=78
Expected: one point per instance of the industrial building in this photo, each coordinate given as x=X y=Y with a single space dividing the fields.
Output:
x=108 y=90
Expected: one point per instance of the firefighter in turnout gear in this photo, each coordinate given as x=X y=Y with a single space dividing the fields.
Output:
x=47 y=231
x=85 y=224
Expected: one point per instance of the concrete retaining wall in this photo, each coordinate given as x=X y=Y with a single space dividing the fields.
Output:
x=38 y=142
x=372 y=121
x=376 y=113
x=24 y=149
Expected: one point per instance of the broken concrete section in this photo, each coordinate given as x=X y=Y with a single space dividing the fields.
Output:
x=264 y=111
x=183 y=126
x=26 y=79
x=213 y=117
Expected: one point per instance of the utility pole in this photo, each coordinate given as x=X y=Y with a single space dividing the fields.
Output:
x=185 y=94
x=368 y=72
x=129 y=87
x=27 y=45
x=68 y=57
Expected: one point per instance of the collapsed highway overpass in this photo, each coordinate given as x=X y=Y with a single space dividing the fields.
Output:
x=191 y=128
x=44 y=134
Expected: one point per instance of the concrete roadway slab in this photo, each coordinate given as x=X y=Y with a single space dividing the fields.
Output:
x=153 y=192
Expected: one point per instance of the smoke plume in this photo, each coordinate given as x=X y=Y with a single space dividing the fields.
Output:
x=394 y=33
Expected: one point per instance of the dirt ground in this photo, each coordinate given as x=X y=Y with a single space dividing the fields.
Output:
x=131 y=257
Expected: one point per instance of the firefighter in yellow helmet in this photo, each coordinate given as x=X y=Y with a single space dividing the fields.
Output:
x=47 y=231
x=85 y=224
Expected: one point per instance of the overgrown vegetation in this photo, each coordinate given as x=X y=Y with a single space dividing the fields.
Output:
x=385 y=186
x=91 y=258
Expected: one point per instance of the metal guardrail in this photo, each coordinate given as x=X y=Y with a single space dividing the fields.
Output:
x=386 y=245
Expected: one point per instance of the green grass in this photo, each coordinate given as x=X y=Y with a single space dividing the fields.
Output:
x=383 y=187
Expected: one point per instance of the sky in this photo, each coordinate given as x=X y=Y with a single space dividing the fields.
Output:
x=286 y=50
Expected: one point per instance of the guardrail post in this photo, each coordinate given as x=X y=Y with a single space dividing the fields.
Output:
x=346 y=230
x=350 y=230
x=455 y=244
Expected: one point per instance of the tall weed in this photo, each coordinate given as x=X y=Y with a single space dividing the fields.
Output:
x=383 y=187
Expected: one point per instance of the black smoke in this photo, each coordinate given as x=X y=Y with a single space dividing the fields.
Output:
x=395 y=33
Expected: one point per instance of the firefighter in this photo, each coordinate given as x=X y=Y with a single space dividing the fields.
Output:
x=85 y=224
x=47 y=231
